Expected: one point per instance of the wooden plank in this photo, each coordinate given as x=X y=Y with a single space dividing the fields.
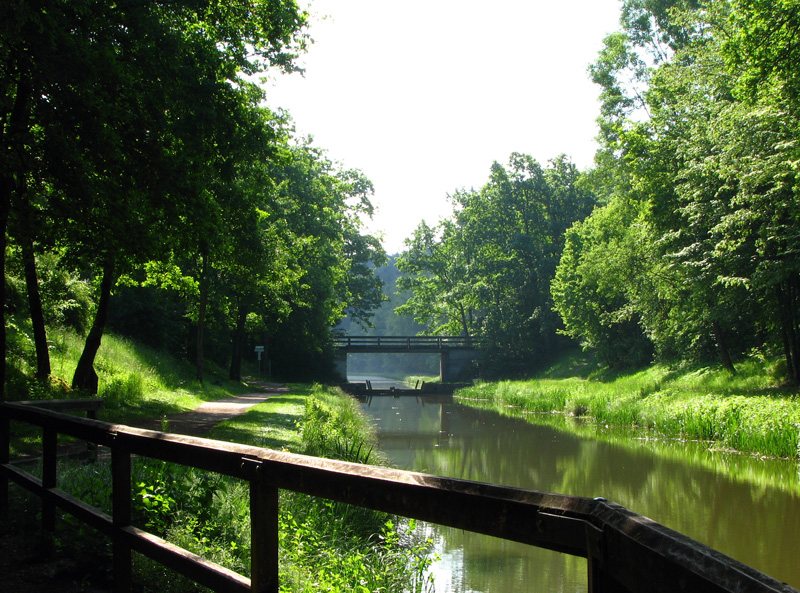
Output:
x=121 y=501
x=545 y=520
x=643 y=555
x=49 y=478
x=264 y=533
x=197 y=568
x=206 y=573
x=61 y=405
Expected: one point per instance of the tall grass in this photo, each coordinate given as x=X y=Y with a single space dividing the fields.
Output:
x=134 y=380
x=748 y=412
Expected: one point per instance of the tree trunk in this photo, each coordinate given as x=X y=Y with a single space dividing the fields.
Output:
x=238 y=344
x=85 y=377
x=35 y=305
x=788 y=296
x=722 y=348
x=6 y=187
x=201 y=313
x=464 y=325
x=12 y=143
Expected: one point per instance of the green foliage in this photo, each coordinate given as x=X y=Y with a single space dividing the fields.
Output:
x=217 y=211
x=698 y=163
x=487 y=270
x=746 y=412
x=373 y=552
x=598 y=280
x=334 y=261
x=334 y=427
x=394 y=560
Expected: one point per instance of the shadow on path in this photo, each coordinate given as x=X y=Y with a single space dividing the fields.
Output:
x=199 y=421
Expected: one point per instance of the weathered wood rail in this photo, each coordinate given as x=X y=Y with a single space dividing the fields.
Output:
x=406 y=343
x=625 y=552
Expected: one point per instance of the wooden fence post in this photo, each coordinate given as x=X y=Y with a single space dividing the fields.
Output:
x=49 y=462
x=264 y=533
x=121 y=516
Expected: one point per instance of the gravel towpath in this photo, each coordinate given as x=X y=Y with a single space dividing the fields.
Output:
x=199 y=421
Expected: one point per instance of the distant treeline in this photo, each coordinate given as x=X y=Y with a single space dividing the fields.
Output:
x=682 y=244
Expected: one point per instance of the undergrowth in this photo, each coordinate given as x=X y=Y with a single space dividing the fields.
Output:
x=324 y=546
x=134 y=381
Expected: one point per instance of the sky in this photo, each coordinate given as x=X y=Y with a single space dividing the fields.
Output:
x=423 y=96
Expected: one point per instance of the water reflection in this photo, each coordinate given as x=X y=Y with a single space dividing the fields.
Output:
x=753 y=515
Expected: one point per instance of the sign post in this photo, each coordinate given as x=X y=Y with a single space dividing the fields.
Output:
x=259 y=351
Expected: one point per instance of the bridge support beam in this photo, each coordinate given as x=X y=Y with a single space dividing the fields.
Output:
x=340 y=362
x=454 y=364
x=444 y=367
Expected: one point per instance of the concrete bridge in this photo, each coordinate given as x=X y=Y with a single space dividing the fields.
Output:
x=455 y=352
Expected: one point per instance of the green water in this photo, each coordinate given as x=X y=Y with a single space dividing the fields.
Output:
x=746 y=507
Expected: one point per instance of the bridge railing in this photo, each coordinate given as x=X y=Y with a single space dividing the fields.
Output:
x=625 y=552
x=407 y=342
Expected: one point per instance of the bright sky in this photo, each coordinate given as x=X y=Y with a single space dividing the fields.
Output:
x=424 y=95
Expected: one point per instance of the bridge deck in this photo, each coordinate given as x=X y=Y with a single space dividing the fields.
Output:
x=388 y=344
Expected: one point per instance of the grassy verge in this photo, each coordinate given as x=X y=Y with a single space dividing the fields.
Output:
x=748 y=412
x=324 y=546
x=135 y=382
x=419 y=379
x=327 y=546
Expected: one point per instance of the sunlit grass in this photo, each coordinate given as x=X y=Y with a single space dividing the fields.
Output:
x=749 y=411
x=134 y=382
x=273 y=424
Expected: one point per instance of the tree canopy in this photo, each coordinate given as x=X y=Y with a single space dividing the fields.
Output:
x=136 y=147
x=486 y=271
x=706 y=170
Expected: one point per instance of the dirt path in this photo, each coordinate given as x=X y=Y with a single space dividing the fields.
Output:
x=199 y=421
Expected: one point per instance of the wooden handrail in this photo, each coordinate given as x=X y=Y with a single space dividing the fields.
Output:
x=88 y=405
x=407 y=342
x=624 y=551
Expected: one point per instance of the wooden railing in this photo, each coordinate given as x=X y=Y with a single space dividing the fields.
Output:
x=433 y=343
x=625 y=552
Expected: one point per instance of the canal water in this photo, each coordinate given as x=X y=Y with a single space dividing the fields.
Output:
x=746 y=507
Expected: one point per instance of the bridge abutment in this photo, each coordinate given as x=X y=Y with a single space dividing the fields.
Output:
x=454 y=364
x=340 y=364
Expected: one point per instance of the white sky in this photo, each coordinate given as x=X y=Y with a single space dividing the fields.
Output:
x=424 y=95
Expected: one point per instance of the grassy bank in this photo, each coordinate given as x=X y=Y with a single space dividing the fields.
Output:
x=134 y=382
x=749 y=411
x=324 y=546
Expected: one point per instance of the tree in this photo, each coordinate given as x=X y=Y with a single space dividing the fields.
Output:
x=86 y=90
x=320 y=209
x=487 y=271
x=434 y=269
x=602 y=276
x=708 y=158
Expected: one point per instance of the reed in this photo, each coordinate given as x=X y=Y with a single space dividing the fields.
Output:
x=749 y=411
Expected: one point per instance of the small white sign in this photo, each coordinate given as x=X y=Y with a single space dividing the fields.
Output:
x=259 y=348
